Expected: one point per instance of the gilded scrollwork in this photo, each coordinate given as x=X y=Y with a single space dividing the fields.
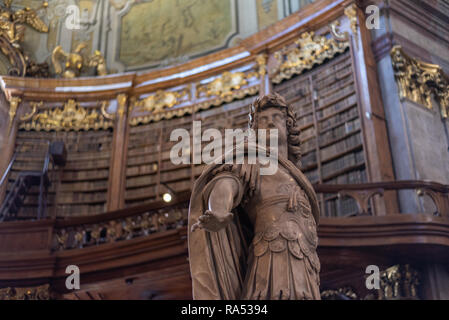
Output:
x=419 y=81
x=158 y=102
x=224 y=85
x=12 y=32
x=160 y=105
x=309 y=50
x=70 y=117
x=12 y=24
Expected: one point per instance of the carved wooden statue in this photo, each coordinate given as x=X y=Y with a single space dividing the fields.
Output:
x=253 y=236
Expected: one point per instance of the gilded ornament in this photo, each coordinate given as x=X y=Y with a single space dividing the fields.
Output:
x=419 y=81
x=70 y=117
x=76 y=61
x=13 y=105
x=351 y=13
x=309 y=50
x=225 y=84
x=12 y=24
x=399 y=282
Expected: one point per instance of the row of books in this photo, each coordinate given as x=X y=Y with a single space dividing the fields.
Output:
x=343 y=62
x=66 y=210
x=308 y=133
x=292 y=90
x=346 y=80
x=339 y=132
x=353 y=177
x=305 y=120
x=343 y=104
x=308 y=146
x=341 y=72
x=81 y=197
x=336 y=96
x=338 y=119
x=340 y=207
x=341 y=147
x=313 y=176
x=309 y=159
x=303 y=109
x=347 y=161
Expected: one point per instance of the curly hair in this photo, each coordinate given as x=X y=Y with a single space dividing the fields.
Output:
x=275 y=100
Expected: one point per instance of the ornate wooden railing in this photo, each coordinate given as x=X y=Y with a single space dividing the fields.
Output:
x=363 y=193
x=129 y=223
x=122 y=224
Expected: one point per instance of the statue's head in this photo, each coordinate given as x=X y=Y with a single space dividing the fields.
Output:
x=272 y=112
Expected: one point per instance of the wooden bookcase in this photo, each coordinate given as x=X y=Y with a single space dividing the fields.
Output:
x=149 y=168
x=78 y=188
x=325 y=100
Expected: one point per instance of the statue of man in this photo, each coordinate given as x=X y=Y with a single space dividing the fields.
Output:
x=253 y=236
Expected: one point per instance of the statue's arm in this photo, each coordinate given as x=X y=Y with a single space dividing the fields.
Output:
x=220 y=203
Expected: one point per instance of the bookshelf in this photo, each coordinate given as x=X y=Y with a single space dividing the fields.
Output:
x=326 y=103
x=80 y=187
x=149 y=167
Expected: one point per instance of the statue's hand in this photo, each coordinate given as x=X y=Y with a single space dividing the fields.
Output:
x=213 y=221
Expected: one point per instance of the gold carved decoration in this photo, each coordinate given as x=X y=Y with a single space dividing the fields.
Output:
x=351 y=13
x=74 y=62
x=160 y=106
x=335 y=31
x=34 y=293
x=224 y=88
x=12 y=24
x=309 y=50
x=122 y=100
x=12 y=32
x=13 y=105
x=98 y=62
x=399 y=282
x=225 y=84
x=70 y=117
x=158 y=102
x=34 y=108
x=419 y=81
x=261 y=60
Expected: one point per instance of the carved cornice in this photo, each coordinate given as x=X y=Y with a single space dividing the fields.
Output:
x=419 y=81
x=309 y=50
x=224 y=88
x=70 y=117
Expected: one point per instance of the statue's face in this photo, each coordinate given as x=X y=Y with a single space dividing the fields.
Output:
x=274 y=118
